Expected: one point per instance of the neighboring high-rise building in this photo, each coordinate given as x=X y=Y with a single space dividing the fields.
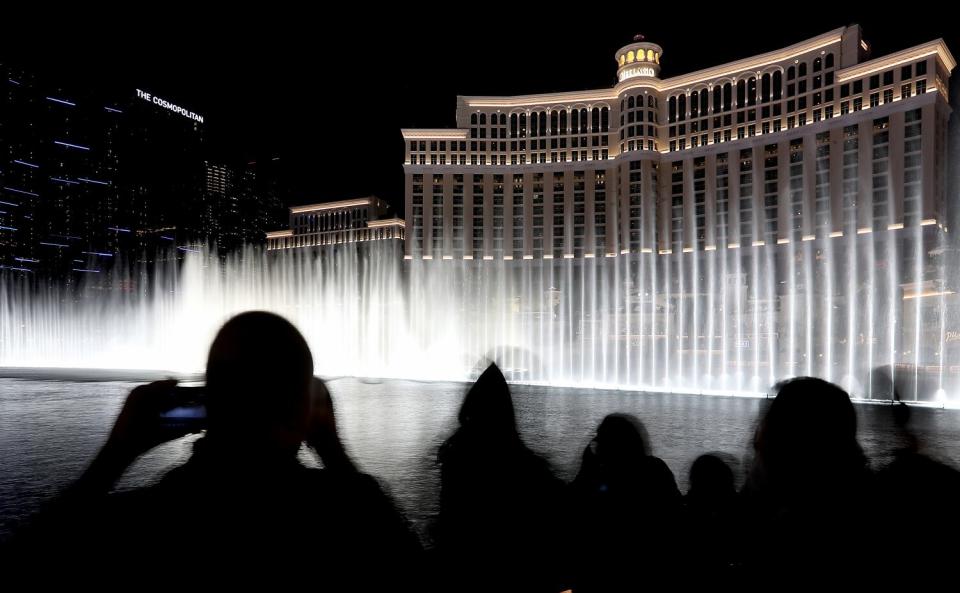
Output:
x=87 y=181
x=237 y=207
x=805 y=143
x=336 y=223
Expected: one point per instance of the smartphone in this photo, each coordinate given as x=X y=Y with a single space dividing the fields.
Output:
x=189 y=411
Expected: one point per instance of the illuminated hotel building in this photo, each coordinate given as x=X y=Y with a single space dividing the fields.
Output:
x=806 y=143
x=336 y=223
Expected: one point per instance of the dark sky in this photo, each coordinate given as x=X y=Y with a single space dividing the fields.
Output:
x=329 y=93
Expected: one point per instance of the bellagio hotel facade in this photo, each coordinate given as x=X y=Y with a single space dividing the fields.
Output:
x=808 y=142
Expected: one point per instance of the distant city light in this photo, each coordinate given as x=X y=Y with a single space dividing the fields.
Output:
x=68 y=145
x=62 y=101
x=20 y=191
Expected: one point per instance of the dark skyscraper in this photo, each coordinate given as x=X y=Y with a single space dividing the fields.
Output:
x=88 y=181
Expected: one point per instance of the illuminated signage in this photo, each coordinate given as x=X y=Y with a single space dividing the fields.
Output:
x=168 y=105
x=638 y=71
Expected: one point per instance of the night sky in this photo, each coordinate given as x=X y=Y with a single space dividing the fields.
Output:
x=329 y=94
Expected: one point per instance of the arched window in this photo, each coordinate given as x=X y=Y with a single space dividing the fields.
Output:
x=791 y=73
x=682 y=108
x=523 y=125
x=651 y=102
x=513 y=125
x=777 y=85
x=534 y=128
x=543 y=123
x=752 y=91
x=483 y=119
x=694 y=104
x=765 y=88
x=605 y=119
x=563 y=121
x=829 y=61
x=727 y=97
x=554 y=122
x=503 y=119
x=630 y=103
x=717 y=98
x=473 y=119
x=741 y=93
x=703 y=102
x=595 y=120
x=802 y=71
x=817 y=65
x=672 y=109
x=584 y=121
x=575 y=121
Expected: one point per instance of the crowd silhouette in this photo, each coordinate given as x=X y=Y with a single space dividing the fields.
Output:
x=244 y=511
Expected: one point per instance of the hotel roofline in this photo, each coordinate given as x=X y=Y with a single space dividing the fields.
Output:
x=705 y=76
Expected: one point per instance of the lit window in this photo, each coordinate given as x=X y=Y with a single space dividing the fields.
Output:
x=630 y=57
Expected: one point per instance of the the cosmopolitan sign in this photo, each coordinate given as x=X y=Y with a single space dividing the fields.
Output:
x=168 y=105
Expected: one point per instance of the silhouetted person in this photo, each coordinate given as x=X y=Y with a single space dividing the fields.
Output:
x=242 y=508
x=918 y=512
x=627 y=511
x=498 y=528
x=713 y=543
x=809 y=489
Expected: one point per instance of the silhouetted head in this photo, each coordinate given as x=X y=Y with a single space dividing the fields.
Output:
x=621 y=440
x=809 y=430
x=488 y=407
x=711 y=477
x=258 y=381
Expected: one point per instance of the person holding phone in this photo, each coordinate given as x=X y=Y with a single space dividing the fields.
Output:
x=243 y=506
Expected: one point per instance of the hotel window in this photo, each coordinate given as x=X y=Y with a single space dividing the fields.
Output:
x=844 y=90
x=802 y=70
x=857 y=87
x=905 y=91
x=874 y=82
x=791 y=73
x=921 y=87
x=828 y=112
x=888 y=77
x=921 y=68
x=858 y=104
x=829 y=61
x=874 y=99
x=888 y=96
